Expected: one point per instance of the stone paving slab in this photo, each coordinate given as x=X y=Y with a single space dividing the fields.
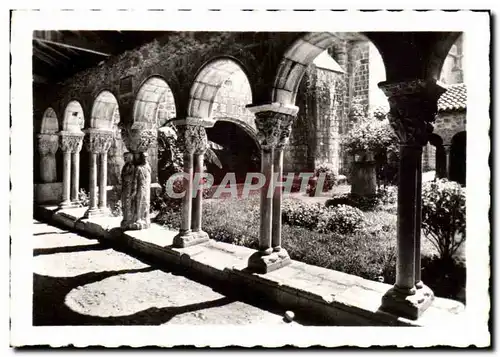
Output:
x=344 y=298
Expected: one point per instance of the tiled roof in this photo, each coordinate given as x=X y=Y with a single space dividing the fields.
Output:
x=455 y=98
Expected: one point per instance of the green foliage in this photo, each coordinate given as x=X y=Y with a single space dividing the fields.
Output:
x=340 y=219
x=443 y=215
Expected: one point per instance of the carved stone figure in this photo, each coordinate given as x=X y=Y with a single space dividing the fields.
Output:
x=128 y=188
x=141 y=194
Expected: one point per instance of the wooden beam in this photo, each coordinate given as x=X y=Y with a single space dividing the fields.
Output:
x=44 y=57
x=70 y=41
x=52 y=49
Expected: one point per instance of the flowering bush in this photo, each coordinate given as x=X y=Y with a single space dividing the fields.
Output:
x=443 y=215
x=340 y=219
x=369 y=135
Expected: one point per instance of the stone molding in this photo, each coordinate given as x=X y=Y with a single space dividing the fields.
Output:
x=192 y=139
x=48 y=144
x=139 y=140
x=413 y=109
x=195 y=121
x=274 y=107
x=71 y=141
x=98 y=141
x=273 y=129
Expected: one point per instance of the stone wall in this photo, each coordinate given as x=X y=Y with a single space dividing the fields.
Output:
x=448 y=124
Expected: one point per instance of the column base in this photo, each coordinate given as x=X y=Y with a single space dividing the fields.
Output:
x=135 y=226
x=68 y=204
x=183 y=240
x=408 y=306
x=262 y=264
x=105 y=211
x=92 y=212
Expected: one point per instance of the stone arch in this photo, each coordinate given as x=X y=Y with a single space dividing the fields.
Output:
x=298 y=57
x=239 y=151
x=209 y=80
x=74 y=119
x=250 y=130
x=104 y=110
x=154 y=105
x=151 y=93
x=439 y=51
x=49 y=124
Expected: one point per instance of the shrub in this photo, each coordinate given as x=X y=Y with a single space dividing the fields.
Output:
x=83 y=198
x=385 y=199
x=340 y=219
x=330 y=179
x=443 y=215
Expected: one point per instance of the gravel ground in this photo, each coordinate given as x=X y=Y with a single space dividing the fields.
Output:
x=78 y=281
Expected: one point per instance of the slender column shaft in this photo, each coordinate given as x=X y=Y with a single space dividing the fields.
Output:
x=93 y=182
x=418 y=219
x=66 y=178
x=198 y=200
x=75 y=182
x=187 y=199
x=277 y=199
x=405 y=270
x=103 y=179
x=266 y=203
x=447 y=160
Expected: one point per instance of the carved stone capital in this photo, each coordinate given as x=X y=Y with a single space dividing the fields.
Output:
x=98 y=141
x=48 y=144
x=413 y=109
x=139 y=140
x=192 y=139
x=273 y=129
x=71 y=141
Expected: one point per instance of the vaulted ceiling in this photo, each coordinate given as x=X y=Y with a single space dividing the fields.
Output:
x=58 y=55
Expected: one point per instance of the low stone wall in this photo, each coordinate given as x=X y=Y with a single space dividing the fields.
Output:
x=335 y=297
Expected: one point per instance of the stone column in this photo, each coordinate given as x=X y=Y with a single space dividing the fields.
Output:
x=192 y=140
x=447 y=160
x=285 y=129
x=418 y=224
x=71 y=142
x=97 y=143
x=136 y=176
x=47 y=148
x=75 y=177
x=273 y=122
x=198 y=200
x=413 y=109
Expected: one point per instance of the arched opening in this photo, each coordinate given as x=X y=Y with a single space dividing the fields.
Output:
x=434 y=156
x=153 y=107
x=49 y=124
x=48 y=171
x=458 y=157
x=333 y=79
x=106 y=116
x=74 y=119
x=226 y=76
x=222 y=91
x=236 y=149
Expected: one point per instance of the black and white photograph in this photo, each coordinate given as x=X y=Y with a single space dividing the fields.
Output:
x=250 y=178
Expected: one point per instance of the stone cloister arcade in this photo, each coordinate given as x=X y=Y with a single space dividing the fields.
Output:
x=190 y=68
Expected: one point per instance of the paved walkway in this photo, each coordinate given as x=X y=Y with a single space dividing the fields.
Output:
x=79 y=281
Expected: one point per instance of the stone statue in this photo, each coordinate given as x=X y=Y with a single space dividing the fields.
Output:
x=141 y=194
x=128 y=188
